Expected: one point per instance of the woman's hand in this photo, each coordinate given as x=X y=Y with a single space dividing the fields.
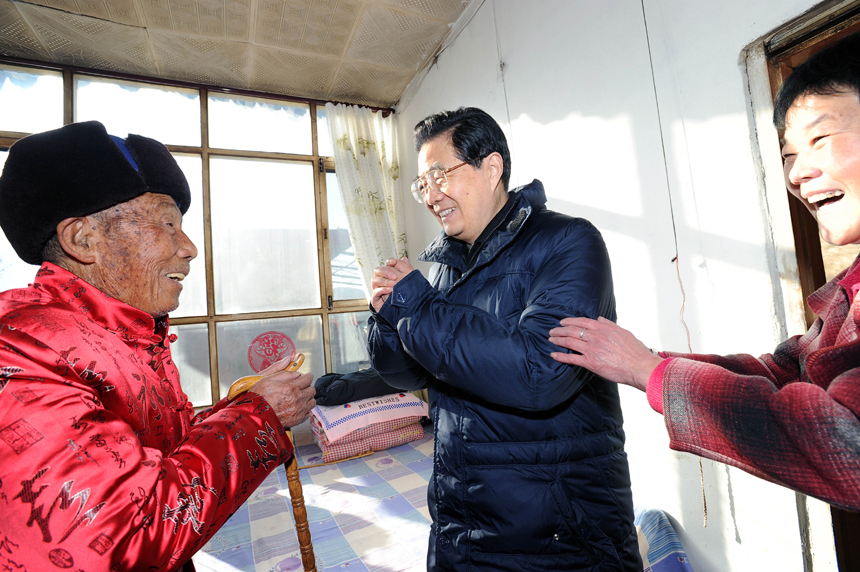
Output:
x=605 y=348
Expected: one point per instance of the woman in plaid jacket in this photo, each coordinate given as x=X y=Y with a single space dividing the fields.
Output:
x=792 y=416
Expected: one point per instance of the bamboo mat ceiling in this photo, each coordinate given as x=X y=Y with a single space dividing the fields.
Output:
x=353 y=51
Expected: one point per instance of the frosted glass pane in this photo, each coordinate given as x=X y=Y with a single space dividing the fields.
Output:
x=249 y=346
x=264 y=237
x=324 y=146
x=255 y=124
x=14 y=272
x=348 y=333
x=345 y=275
x=36 y=96
x=192 y=301
x=170 y=115
x=190 y=353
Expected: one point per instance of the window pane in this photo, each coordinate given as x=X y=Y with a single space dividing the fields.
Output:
x=245 y=348
x=36 y=96
x=170 y=115
x=345 y=276
x=192 y=301
x=349 y=341
x=324 y=146
x=837 y=258
x=256 y=124
x=264 y=236
x=14 y=272
x=190 y=353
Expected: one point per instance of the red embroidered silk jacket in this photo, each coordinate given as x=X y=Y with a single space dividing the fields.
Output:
x=103 y=465
x=790 y=417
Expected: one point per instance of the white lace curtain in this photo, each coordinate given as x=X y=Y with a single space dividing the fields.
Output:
x=365 y=158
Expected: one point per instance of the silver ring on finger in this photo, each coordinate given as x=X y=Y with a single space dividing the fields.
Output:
x=582 y=333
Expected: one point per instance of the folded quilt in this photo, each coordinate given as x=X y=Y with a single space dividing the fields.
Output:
x=376 y=437
x=339 y=421
x=372 y=424
x=363 y=433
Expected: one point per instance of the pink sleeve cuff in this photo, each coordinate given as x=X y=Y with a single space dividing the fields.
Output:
x=654 y=389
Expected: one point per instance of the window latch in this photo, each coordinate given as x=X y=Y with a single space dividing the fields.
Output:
x=330 y=303
x=322 y=166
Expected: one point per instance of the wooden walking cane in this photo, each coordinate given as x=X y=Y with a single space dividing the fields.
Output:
x=303 y=531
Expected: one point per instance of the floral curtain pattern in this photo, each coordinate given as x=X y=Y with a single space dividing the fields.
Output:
x=368 y=176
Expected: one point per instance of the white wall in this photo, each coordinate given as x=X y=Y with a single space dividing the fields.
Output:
x=636 y=115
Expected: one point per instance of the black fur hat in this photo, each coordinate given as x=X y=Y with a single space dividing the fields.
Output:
x=78 y=170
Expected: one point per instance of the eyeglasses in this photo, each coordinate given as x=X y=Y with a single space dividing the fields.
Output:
x=435 y=179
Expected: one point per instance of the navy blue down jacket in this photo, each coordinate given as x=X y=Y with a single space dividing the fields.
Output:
x=529 y=465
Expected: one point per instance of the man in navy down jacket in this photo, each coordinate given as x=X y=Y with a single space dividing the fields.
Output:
x=529 y=468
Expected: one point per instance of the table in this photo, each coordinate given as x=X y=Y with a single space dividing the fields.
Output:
x=365 y=515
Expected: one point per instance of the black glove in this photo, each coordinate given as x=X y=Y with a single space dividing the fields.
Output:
x=340 y=388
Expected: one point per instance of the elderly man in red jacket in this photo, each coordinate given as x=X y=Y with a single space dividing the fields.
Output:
x=103 y=465
x=792 y=416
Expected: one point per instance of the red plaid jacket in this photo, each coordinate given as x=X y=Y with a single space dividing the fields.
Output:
x=790 y=417
x=102 y=464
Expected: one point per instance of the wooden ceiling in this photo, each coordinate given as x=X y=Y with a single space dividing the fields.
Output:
x=353 y=51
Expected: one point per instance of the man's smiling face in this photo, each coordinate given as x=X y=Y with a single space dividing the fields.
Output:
x=143 y=254
x=822 y=162
x=470 y=200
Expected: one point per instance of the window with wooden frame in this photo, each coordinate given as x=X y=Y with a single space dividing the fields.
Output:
x=818 y=261
x=275 y=273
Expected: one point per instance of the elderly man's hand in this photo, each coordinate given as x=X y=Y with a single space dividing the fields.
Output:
x=290 y=394
x=386 y=277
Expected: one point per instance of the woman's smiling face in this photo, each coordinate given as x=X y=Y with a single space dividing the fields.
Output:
x=822 y=162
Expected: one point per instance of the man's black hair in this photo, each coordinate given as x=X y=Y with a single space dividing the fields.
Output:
x=474 y=135
x=835 y=69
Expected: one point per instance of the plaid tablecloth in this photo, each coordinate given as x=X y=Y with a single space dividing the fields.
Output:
x=365 y=515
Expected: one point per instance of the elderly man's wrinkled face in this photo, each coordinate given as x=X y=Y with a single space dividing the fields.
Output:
x=822 y=162
x=143 y=253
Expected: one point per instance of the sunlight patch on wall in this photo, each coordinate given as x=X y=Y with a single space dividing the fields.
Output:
x=584 y=160
x=713 y=179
